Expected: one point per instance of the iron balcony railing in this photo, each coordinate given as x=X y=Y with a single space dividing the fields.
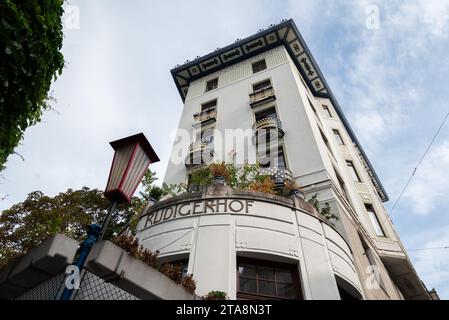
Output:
x=280 y=175
x=267 y=125
x=262 y=96
x=205 y=117
x=200 y=152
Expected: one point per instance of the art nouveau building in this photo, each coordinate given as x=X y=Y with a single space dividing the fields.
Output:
x=258 y=246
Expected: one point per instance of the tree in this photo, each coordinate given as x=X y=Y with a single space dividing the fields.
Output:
x=30 y=42
x=150 y=190
x=26 y=224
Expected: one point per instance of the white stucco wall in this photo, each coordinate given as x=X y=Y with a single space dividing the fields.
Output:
x=269 y=231
x=307 y=156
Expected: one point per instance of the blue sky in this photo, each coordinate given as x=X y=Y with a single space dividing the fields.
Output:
x=390 y=82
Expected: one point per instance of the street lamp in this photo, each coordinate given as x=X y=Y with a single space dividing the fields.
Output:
x=132 y=157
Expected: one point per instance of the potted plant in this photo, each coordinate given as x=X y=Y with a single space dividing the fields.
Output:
x=219 y=173
x=294 y=190
x=216 y=295
x=154 y=195
x=263 y=184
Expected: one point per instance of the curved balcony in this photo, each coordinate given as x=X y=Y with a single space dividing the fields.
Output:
x=280 y=175
x=200 y=152
x=262 y=96
x=268 y=126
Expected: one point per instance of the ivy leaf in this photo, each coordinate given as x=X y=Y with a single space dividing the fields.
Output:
x=31 y=35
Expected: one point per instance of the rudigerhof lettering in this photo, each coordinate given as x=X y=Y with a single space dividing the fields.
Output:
x=207 y=206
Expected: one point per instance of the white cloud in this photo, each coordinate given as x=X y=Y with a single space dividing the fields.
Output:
x=433 y=265
x=384 y=68
x=430 y=186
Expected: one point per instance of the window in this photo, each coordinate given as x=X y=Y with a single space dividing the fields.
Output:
x=281 y=159
x=313 y=107
x=271 y=159
x=207 y=136
x=327 y=111
x=268 y=113
x=259 y=66
x=208 y=106
x=345 y=294
x=374 y=220
x=212 y=84
x=353 y=172
x=327 y=143
x=262 y=85
x=372 y=262
x=259 y=280
x=338 y=137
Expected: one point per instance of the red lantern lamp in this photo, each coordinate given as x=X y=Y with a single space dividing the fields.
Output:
x=132 y=157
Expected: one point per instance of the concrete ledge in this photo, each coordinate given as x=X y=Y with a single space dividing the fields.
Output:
x=115 y=265
x=406 y=278
x=42 y=262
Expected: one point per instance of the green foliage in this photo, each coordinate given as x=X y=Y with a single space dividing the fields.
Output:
x=174 y=189
x=28 y=223
x=201 y=177
x=216 y=295
x=326 y=212
x=31 y=39
x=151 y=190
x=241 y=177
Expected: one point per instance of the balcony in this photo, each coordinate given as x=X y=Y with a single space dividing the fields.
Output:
x=268 y=126
x=262 y=96
x=205 y=117
x=280 y=175
x=200 y=152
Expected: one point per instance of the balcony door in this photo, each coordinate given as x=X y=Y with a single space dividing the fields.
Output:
x=268 y=113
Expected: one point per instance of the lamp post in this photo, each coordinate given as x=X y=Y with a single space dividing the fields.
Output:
x=132 y=157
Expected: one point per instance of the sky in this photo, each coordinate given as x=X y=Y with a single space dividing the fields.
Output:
x=386 y=62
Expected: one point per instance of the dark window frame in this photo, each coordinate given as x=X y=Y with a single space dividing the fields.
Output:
x=327 y=110
x=338 y=137
x=354 y=174
x=370 y=208
x=214 y=83
x=326 y=142
x=342 y=185
x=208 y=106
x=292 y=268
x=262 y=85
x=257 y=115
x=259 y=66
x=312 y=106
x=266 y=159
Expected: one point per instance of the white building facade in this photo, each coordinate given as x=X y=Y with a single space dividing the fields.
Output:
x=253 y=246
